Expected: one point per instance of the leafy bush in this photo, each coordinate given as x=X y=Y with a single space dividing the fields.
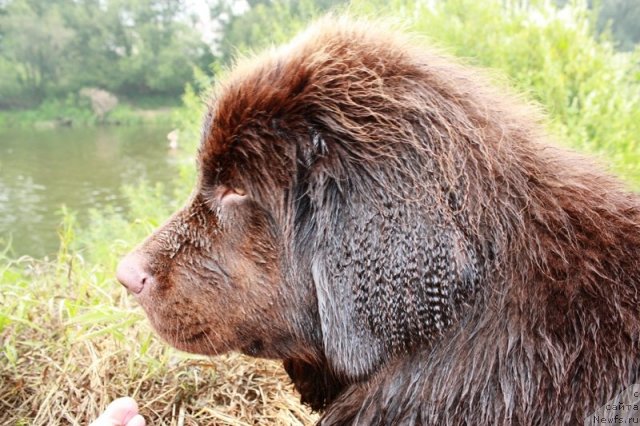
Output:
x=590 y=91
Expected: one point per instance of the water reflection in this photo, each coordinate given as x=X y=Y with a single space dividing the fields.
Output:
x=81 y=168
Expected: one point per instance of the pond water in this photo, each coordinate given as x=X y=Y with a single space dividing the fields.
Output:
x=82 y=168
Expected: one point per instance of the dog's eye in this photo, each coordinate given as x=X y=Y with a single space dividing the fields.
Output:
x=229 y=195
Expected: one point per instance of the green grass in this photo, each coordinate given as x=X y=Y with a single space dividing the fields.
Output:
x=76 y=111
x=153 y=101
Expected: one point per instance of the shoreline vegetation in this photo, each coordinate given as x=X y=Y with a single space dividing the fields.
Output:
x=70 y=112
x=73 y=340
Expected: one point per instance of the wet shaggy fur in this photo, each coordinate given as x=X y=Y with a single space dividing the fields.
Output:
x=404 y=238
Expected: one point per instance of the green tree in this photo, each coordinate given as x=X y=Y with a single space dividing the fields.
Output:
x=49 y=48
x=266 y=22
x=623 y=17
x=139 y=46
x=33 y=46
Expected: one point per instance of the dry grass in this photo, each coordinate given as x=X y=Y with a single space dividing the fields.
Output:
x=73 y=341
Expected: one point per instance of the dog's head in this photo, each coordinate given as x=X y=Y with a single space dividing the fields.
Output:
x=327 y=225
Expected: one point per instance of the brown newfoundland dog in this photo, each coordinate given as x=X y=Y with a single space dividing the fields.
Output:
x=402 y=236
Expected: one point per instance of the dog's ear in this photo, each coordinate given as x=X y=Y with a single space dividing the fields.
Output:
x=390 y=272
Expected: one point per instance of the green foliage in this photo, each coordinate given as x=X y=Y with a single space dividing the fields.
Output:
x=622 y=17
x=590 y=91
x=51 y=48
x=188 y=118
x=76 y=110
x=268 y=22
x=49 y=113
x=148 y=207
x=126 y=114
x=34 y=47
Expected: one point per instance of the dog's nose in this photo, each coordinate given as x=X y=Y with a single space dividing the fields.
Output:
x=132 y=273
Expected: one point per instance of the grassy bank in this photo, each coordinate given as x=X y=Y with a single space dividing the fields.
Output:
x=72 y=338
x=77 y=111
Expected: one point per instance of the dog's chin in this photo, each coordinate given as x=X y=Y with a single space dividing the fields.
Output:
x=202 y=343
x=194 y=341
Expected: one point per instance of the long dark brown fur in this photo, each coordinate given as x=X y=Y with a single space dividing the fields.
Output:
x=404 y=237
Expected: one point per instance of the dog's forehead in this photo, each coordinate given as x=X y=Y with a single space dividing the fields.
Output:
x=273 y=83
x=286 y=89
x=240 y=130
x=236 y=145
x=243 y=114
